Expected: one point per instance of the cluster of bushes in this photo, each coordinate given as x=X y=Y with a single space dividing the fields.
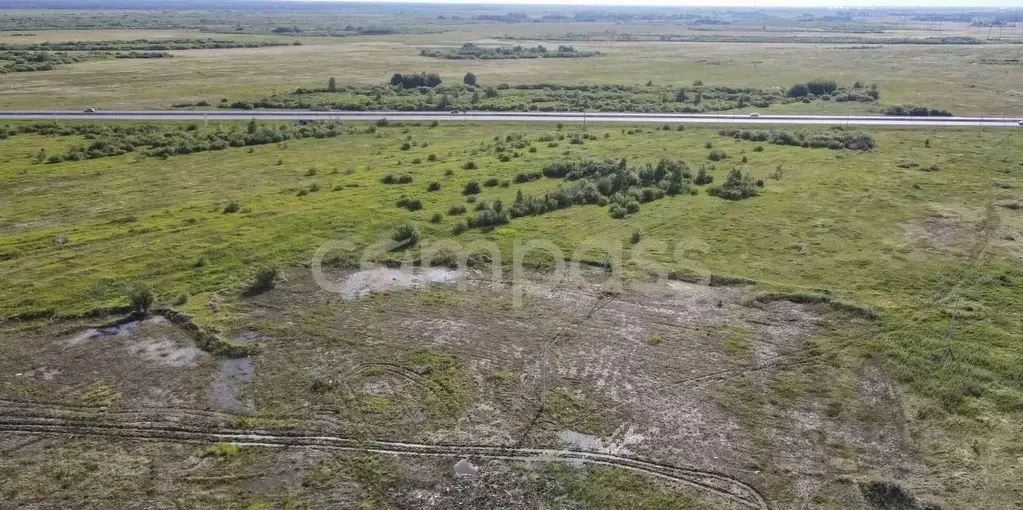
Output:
x=23 y=61
x=604 y=183
x=915 y=111
x=488 y=214
x=396 y=179
x=737 y=186
x=415 y=80
x=829 y=89
x=835 y=138
x=160 y=141
x=410 y=203
x=470 y=51
x=523 y=177
x=417 y=93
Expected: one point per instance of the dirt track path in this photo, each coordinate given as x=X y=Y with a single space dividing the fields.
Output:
x=38 y=418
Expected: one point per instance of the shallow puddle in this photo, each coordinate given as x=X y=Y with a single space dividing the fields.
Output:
x=228 y=381
x=465 y=468
x=360 y=284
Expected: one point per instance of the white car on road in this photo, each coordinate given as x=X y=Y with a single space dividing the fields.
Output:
x=755 y=115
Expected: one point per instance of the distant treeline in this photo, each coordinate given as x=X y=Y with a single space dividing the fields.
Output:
x=754 y=39
x=470 y=51
x=47 y=56
x=143 y=45
x=21 y=61
x=424 y=92
x=160 y=141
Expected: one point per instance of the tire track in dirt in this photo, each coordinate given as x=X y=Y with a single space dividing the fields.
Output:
x=717 y=484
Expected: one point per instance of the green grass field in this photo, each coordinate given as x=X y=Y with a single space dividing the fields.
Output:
x=929 y=250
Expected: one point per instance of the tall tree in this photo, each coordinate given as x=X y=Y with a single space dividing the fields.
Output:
x=331 y=85
x=470 y=79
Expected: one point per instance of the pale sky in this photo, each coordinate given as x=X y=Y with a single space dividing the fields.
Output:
x=746 y=3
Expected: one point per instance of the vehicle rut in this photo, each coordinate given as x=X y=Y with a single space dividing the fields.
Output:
x=47 y=419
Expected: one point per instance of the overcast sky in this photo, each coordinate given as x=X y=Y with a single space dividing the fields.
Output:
x=753 y=3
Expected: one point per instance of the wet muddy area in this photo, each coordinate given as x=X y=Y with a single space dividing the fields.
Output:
x=232 y=378
x=229 y=381
x=148 y=362
x=678 y=373
x=361 y=284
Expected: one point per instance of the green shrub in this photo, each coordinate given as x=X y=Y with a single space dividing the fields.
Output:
x=737 y=186
x=405 y=146
x=232 y=207
x=456 y=210
x=224 y=450
x=406 y=233
x=410 y=203
x=141 y=298
x=523 y=177
x=702 y=177
x=433 y=186
x=431 y=157
x=436 y=218
x=469 y=165
x=399 y=179
x=717 y=155
x=717 y=280
x=637 y=235
x=472 y=188
x=266 y=278
x=314 y=187
x=491 y=182
x=459 y=227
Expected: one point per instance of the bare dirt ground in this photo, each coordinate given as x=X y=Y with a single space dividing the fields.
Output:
x=685 y=385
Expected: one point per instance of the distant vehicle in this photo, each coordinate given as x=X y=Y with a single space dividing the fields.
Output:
x=1020 y=123
x=455 y=111
x=89 y=110
x=754 y=115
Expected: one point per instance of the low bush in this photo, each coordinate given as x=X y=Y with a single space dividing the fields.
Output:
x=266 y=278
x=737 y=186
x=472 y=188
x=406 y=234
x=410 y=203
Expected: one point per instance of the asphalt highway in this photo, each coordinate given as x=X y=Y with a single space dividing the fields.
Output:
x=214 y=115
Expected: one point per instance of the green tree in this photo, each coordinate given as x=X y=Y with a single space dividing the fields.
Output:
x=470 y=79
x=331 y=85
x=252 y=126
